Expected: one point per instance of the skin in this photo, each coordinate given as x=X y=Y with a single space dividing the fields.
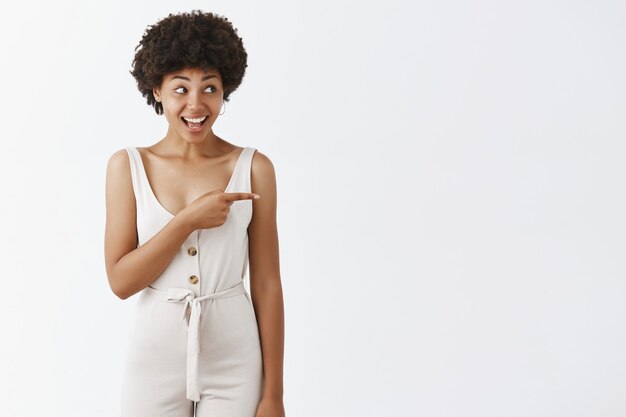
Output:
x=196 y=202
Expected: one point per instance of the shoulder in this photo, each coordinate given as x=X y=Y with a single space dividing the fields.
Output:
x=118 y=160
x=261 y=164
x=118 y=172
x=262 y=173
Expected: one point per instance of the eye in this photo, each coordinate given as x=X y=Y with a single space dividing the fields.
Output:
x=213 y=87
x=179 y=89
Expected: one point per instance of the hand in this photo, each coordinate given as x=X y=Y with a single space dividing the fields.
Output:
x=211 y=209
x=270 y=407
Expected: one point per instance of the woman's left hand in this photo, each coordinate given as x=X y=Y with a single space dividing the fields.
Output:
x=270 y=407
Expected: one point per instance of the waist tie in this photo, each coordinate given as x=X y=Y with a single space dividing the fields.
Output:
x=193 y=343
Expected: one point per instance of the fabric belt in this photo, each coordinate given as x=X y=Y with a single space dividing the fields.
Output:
x=193 y=303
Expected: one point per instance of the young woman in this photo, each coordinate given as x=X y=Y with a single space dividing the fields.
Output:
x=185 y=217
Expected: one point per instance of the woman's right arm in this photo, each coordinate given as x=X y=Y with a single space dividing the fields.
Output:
x=130 y=268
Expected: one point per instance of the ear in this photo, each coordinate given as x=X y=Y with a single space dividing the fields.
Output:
x=157 y=94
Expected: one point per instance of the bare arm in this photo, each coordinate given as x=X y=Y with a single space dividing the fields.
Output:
x=129 y=268
x=265 y=282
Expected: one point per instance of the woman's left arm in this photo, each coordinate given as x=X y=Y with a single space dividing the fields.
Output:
x=265 y=282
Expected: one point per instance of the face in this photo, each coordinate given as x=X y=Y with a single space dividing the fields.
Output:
x=191 y=93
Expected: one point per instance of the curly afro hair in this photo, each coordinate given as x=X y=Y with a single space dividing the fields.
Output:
x=189 y=40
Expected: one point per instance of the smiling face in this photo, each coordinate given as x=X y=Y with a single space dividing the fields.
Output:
x=192 y=99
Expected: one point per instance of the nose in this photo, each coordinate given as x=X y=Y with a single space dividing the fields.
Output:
x=194 y=101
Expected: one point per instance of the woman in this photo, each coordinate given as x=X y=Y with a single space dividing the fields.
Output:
x=184 y=218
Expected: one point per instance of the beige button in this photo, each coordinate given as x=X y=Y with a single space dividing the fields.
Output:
x=192 y=250
x=193 y=279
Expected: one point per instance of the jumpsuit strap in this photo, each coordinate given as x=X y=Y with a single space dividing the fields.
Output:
x=193 y=303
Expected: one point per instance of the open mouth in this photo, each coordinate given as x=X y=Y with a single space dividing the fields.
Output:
x=194 y=123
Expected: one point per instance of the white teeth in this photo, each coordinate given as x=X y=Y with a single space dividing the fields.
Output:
x=195 y=120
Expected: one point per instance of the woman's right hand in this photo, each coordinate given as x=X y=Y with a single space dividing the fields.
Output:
x=211 y=209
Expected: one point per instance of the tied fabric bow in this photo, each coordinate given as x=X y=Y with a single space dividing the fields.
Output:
x=194 y=306
x=192 y=303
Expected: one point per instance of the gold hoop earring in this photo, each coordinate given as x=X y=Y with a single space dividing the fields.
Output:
x=224 y=105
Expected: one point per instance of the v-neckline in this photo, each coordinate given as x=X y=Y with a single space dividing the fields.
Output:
x=151 y=190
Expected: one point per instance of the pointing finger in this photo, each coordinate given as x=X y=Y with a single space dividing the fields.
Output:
x=240 y=196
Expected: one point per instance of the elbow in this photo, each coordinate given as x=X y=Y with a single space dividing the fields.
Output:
x=118 y=282
x=121 y=292
x=121 y=295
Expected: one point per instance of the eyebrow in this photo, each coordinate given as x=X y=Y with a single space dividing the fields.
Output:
x=185 y=78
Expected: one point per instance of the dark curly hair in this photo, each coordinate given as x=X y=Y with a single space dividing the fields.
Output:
x=189 y=40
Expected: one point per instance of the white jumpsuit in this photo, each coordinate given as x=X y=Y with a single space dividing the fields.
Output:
x=194 y=344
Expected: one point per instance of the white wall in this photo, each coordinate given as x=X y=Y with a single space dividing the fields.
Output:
x=451 y=201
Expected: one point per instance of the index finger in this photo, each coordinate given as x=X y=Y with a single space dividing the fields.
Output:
x=240 y=196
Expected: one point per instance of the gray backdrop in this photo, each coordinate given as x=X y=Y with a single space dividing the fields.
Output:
x=451 y=200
